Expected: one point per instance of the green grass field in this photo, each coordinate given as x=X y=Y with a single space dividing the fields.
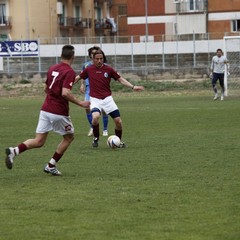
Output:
x=177 y=180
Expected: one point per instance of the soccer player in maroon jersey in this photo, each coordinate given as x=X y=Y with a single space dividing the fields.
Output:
x=85 y=88
x=54 y=114
x=100 y=75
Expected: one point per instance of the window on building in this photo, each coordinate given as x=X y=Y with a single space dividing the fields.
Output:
x=196 y=5
x=63 y=17
x=236 y=25
x=77 y=15
x=122 y=10
x=98 y=13
x=3 y=17
x=77 y=11
x=98 y=18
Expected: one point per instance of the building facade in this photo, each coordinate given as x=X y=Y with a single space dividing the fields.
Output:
x=224 y=17
x=31 y=19
x=25 y=19
x=183 y=17
x=147 y=19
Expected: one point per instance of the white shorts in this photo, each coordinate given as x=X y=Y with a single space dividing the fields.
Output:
x=107 y=104
x=52 y=122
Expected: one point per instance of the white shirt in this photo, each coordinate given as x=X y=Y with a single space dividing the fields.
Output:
x=218 y=64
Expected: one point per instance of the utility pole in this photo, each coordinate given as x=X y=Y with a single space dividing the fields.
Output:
x=146 y=15
x=27 y=19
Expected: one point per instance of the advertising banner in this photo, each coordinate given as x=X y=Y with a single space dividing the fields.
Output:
x=18 y=48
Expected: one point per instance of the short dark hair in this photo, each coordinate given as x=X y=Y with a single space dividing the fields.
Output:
x=100 y=52
x=219 y=50
x=67 y=52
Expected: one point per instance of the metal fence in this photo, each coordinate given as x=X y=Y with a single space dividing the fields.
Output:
x=127 y=54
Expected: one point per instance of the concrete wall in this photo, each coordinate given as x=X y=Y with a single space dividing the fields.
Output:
x=171 y=47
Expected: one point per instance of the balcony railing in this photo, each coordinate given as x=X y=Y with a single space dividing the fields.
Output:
x=101 y=24
x=191 y=6
x=102 y=1
x=75 y=22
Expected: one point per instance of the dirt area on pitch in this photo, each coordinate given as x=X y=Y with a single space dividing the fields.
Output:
x=15 y=90
x=37 y=90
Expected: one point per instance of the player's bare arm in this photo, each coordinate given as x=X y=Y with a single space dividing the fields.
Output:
x=126 y=83
x=77 y=78
x=82 y=86
x=67 y=94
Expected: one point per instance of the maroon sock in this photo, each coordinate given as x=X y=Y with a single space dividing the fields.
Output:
x=56 y=156
x=22 y=147
x=95 y=131
x=118 y=133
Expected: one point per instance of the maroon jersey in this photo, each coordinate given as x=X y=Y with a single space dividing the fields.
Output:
x=99 y=80
x=59 y=76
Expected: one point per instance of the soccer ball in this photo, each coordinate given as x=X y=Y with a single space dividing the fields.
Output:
x=113 y=141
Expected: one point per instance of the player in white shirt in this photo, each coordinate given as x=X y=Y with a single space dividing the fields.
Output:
x=217 y=72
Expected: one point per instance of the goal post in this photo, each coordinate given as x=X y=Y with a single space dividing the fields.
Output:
x=231 y=49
